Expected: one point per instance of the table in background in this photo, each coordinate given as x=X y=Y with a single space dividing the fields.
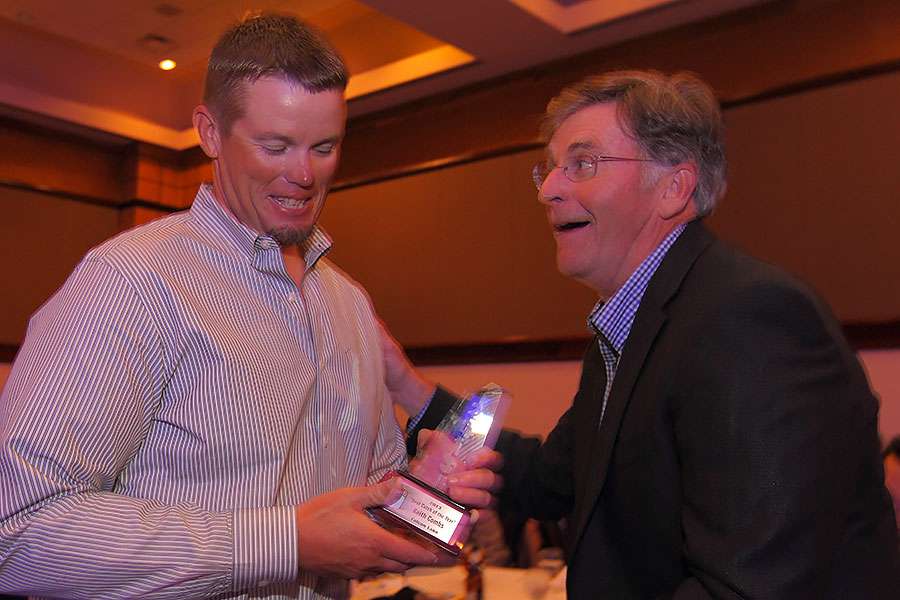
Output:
x=450 y=584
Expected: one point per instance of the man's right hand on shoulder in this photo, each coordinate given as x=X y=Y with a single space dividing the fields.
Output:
x=338 y=539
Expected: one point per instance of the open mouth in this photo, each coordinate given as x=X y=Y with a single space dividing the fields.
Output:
x=288 y=201
x=570 y=226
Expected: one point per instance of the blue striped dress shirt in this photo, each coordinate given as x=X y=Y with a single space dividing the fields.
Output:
x=170 y=405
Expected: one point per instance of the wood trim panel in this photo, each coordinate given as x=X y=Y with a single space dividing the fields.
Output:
x=84 y=198
x=56 y=193
x=749 y=55
x=513 y=352
x=503 y=150
x=433 y=165
x=8 y=352
x=862 y=336
x=873 y=336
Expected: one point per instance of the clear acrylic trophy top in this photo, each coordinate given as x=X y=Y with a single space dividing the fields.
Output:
x=472 y=423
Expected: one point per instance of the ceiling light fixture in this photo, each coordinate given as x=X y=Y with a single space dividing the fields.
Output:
x=167 y=64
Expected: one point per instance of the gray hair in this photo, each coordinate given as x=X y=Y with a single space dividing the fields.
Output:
x=673 y=118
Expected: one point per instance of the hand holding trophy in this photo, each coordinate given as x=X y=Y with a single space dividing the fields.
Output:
x=424 y=512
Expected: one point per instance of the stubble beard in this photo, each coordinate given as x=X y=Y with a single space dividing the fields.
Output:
x=289 y=236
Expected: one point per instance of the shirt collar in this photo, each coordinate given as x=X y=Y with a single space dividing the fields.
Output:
x=209 y=211
x=612 y=319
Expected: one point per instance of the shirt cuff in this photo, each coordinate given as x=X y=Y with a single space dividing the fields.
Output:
x=265 y=547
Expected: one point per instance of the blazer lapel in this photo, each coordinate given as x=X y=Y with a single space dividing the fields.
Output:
x=639 y=342
x=648 y=321
x=590 y=392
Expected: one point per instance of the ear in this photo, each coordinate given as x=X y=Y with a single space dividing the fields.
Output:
x=208 y=130
x=680 y=184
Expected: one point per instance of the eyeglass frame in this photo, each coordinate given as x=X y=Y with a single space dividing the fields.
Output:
x=596 y=159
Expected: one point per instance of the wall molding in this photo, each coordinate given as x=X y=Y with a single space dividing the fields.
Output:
x=434 y=165
x=873 y=336
x=189 y=156
x=8 y=352
x=57 y=193
x=84 y=198
x=774 y=93
x=815 y=83
x=862 y=336
x=558 y=349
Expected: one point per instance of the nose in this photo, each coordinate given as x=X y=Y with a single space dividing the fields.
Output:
x=300 y=172
x=550 y=191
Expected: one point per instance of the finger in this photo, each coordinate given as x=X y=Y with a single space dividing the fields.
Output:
x=475 y=488
x=390 y=566
x=485 y=458
x=481 y=479
x=424 y=434
x=472 y=497
x=396 y=548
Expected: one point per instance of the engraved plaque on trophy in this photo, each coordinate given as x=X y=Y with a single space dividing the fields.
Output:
x=424 y=512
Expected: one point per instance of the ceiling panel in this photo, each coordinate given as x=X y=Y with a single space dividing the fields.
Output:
x=82 y=61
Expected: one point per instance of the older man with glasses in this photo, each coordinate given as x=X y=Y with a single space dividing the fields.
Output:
x=723 y=440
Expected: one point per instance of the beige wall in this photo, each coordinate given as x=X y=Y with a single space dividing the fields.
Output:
x=543 y=391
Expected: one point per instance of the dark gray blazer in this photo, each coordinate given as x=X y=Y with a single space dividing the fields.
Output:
x=738 y=457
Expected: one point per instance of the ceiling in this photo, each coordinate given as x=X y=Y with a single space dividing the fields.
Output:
x=92 y=64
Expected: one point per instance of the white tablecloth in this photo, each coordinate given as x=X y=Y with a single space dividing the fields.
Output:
x=449 y=584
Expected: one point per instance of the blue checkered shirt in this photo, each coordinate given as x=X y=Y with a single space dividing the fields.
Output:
x=611 y=320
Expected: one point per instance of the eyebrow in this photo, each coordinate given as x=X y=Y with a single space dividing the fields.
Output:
x=573 y=147
x=335 y=139
x=581 y=145
x=277 y=137
x=273 y=137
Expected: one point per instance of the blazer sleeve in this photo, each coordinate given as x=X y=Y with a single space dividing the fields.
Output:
x=775 y=434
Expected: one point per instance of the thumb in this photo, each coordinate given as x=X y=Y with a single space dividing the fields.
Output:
x=386 y=492
x=424 y=436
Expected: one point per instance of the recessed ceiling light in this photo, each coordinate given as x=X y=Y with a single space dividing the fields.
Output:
x=167 y=64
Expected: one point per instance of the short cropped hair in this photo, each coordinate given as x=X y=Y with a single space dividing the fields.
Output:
x=673 y=118
x=266 y=45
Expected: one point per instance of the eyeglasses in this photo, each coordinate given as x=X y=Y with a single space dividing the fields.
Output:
x=576 y=168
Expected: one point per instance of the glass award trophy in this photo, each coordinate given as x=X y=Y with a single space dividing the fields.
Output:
x=424 y=512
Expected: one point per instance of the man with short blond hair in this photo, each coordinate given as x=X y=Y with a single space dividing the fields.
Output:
x=200 y=411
